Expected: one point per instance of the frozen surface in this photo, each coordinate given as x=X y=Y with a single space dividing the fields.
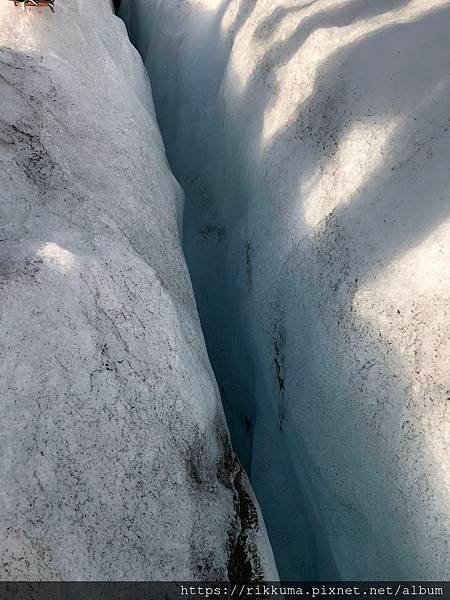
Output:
x=312 y=140
x=115 y=461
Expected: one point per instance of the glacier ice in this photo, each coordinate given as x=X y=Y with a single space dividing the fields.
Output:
x=115 y=460
x=311 y=138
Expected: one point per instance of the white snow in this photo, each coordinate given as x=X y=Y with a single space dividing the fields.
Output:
x=312 y=140
x=115 y=461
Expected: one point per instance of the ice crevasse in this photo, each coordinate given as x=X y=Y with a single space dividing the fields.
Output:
x=115 y=459
x=312 y=140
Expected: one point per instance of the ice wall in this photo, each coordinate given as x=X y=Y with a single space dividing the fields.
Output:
x=115 y=460
x=312 y=141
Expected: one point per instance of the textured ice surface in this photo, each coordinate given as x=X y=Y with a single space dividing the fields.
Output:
x=115 y=461
x=312 y=140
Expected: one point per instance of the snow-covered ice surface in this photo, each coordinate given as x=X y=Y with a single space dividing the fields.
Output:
x=115 y=461
x=312 y=140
